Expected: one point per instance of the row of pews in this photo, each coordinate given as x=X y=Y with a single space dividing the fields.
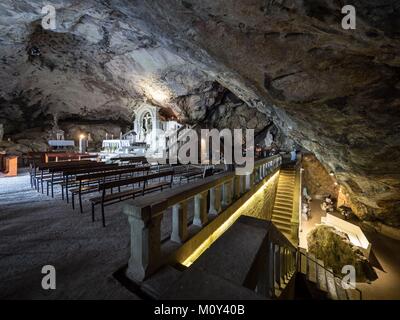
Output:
x=105 y=184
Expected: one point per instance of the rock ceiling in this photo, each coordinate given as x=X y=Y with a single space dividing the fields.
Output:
x=231 y=62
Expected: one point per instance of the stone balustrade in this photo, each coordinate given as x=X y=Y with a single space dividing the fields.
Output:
x=215 y=199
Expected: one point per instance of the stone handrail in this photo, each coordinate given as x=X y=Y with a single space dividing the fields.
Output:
x=145 y=215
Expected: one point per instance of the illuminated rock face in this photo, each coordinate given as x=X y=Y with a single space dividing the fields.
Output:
x=336 y=251
x=228 y=63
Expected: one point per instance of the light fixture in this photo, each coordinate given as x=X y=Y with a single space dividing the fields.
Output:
x=331 y=173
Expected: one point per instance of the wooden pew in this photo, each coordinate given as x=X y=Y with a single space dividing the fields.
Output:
x=44 y=170
x=57 y=174
x=89 y=183
x=70 y=174
x=108 y=199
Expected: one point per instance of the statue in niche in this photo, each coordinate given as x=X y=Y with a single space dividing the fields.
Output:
x=147 y=123
x=269 y=139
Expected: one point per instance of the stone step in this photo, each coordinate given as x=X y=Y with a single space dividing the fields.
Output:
x=285 y=201
x=286 y=190
x=287 y=178
x=288 y=171
x=282 y=226
x=281 y=204
x=283 y=219
x=287 y=175
x=321 y=274
x=283 y=212
x=311 y=268
x=286 y=210
x=279 y=200
x=280 y=187
x=286 y=193
x=331 y=285
x=285 y=184
x=284 y=197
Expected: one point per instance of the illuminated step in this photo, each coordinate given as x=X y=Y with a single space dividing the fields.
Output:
x=281 y=214
x=281 y=226
x=280 y=219
x=285 y=186
x=284 y=203
x=283 y=209
x=284 y=197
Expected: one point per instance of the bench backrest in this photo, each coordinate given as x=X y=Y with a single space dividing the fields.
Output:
x=45 y=166
x=77 y=167
x=144 y=178
x=119 y=170
x=83 y=170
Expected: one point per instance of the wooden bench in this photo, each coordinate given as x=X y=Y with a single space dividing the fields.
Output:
x=89 y=183
x=44 y=170
x=57 y=175
x=70 y=174
x=142 y=188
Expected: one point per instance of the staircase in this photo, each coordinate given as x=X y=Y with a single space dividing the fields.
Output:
x=321 y=281
x=283 y=206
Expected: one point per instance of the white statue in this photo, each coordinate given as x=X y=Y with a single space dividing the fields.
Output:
x=269 y=139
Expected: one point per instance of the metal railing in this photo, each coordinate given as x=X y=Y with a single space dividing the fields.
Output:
x=335 y=276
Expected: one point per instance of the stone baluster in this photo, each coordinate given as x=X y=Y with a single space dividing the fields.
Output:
x=215 y=200
x=277 y=268
x=200 y=209
x=145 y=242
x=243 y=184
x=227 y=194
x=252 y=179
x=270 y=286
x=248 y=182
x=179 y=222
x=237 y=187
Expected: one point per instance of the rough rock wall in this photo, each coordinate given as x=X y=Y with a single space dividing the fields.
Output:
x=317 y=179
x=333 y=91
